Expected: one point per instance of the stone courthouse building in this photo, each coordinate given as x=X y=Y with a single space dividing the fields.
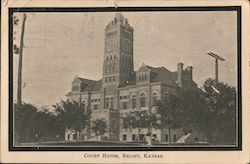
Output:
x=122 y=89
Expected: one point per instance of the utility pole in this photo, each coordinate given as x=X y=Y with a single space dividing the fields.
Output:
x=19 y=82
x=217 y=58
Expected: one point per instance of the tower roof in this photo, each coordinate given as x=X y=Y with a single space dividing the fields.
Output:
x=119 y=19
x=119 y=16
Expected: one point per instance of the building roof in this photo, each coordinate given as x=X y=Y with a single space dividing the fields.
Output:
x=159 y=74
x=88 y=85
x=119 y=19
x=163 y=75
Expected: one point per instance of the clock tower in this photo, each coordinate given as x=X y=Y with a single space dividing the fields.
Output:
x=118 y=68
x=118 y=54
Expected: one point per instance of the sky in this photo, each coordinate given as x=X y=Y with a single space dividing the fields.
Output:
x=60 y=46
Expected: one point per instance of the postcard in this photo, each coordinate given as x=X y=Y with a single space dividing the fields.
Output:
x=125 y=82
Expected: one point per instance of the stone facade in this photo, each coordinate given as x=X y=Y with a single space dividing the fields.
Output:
x=121 y=89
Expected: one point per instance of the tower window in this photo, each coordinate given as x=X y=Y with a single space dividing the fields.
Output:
x=109 y=78
x=110 y=67
x=106 y=68
x=113 y=66
x=113 y=78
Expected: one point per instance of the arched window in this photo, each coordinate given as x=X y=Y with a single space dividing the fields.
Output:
x=142 y=100
x=139 y=77
x=107 y=65
x=133 y=101
x=114 y=66
x=110 y=66
x=83 y=103
x=114 y=57
x=154 y=98
x=106 y=68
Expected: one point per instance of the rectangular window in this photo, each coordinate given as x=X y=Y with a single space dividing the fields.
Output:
x=111 y=105
x=125 y=105
x=74 y=136
x=133 y=137
x=175 y=138
x=106 y=104
x=124 y=137
x=166 y=137
x=95 y=106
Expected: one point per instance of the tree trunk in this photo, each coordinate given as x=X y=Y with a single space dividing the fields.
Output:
x=139 y=132
x=27 y=136
x=169 y=133
x=16 y=136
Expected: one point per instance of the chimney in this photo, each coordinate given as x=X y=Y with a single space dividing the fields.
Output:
x=179 y=73
x=190 y=72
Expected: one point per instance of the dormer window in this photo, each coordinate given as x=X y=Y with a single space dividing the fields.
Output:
x=142 y=77
x=76 y=87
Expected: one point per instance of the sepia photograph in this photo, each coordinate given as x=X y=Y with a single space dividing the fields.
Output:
x=128 y=79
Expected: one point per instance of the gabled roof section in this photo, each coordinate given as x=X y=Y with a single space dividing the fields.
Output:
x=143 y=68
x=157 y=74
x=88 y=85
x=163 y=75
x=76 y=80
x=97 y=86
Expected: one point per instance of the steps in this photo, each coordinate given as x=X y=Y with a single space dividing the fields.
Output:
x=183 y=138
